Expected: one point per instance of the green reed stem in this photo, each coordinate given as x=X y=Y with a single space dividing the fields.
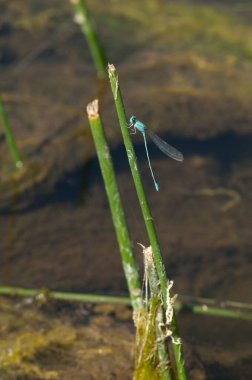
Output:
x=213 y=311
x=11 y=141
x=118 y=216
x=181 y=305
x=187 y=300
x=177 y=348
x=63 y=296
x=83 y=18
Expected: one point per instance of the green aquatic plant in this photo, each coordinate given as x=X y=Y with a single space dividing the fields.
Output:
x=83 y=18
x=150 y=227
x=116 y=208
x=9 y=135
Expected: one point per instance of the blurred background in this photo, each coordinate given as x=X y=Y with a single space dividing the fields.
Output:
x=185 y=71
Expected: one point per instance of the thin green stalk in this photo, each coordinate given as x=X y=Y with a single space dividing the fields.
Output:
x=177 y=347
x=182 y=305
x=118 y=216
x=10 y=136
x=82 y=17
x=211 y=301
x=213 y=311
x=63 y=296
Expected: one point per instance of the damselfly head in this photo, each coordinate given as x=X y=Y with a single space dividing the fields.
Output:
x=133 y=120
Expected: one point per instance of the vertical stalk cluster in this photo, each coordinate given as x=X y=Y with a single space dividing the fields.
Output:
x=160 y=311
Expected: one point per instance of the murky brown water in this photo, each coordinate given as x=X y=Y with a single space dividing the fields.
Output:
x=191 y=84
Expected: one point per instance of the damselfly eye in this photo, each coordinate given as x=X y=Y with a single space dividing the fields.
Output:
x=133 y=119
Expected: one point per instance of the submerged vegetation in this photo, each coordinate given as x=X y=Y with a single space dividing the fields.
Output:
x=52 y=341
x=11 y=141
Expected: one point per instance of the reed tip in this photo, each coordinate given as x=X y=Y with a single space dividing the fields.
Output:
x=93 y=109
x=111 y=68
